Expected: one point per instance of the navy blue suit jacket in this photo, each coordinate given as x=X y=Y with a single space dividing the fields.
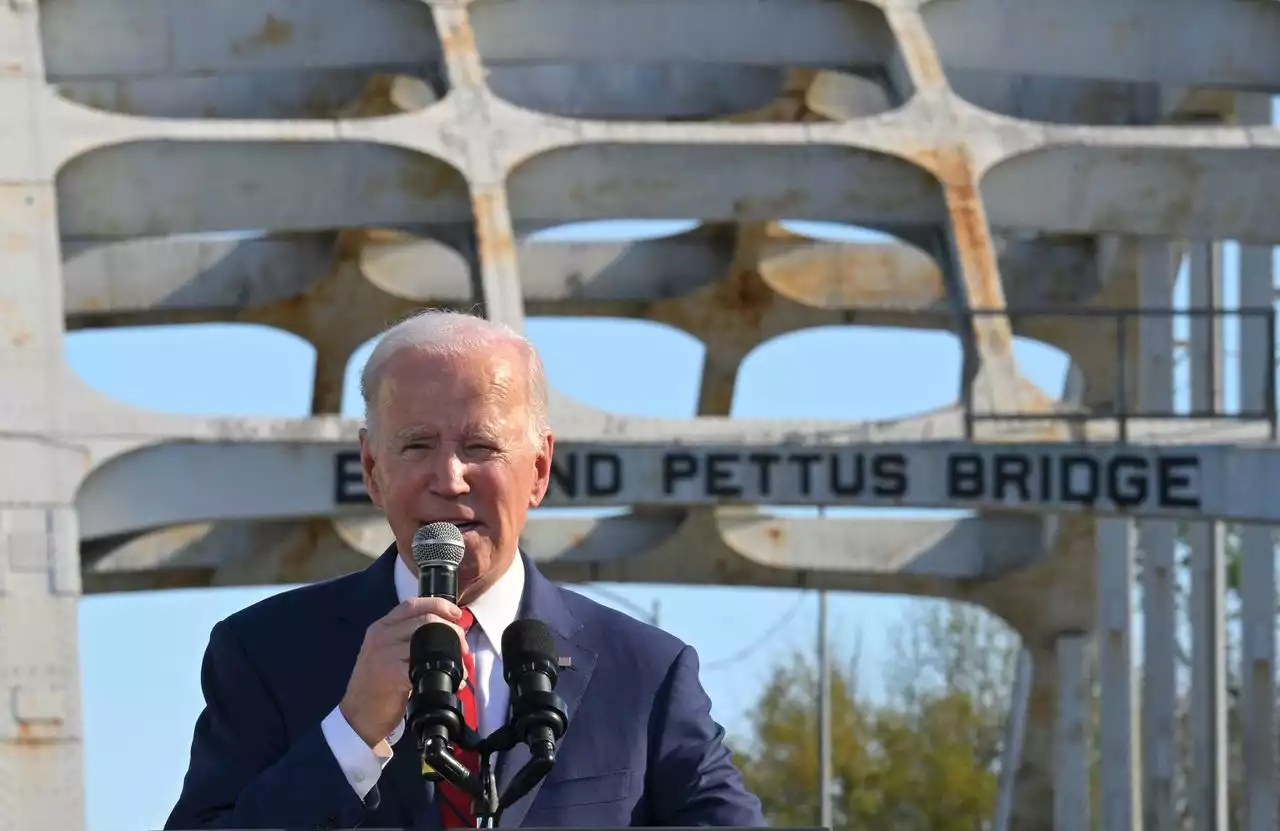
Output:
x=641 y=748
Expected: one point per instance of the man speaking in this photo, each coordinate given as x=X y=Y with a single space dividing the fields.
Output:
x=306 y=692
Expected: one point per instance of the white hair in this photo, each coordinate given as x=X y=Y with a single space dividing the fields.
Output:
x=446 y=332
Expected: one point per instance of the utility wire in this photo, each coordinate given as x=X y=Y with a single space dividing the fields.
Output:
x=646 y=615
x=751 y=647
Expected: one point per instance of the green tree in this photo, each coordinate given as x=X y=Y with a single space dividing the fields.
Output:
x=931 y=775
x=922 y=758
x=958 y=650
x=781 y=760
x=926 y=756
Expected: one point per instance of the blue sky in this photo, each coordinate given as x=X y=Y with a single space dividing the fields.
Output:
x=140 y=653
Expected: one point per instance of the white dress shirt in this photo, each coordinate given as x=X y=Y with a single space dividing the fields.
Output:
x=494 y=611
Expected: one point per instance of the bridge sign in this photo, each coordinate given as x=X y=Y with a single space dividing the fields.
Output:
x=1050 y=478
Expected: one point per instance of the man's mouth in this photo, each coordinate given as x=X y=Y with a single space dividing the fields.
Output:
x=464 y=527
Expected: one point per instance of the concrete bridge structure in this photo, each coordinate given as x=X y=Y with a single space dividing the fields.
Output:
x=1045 y=167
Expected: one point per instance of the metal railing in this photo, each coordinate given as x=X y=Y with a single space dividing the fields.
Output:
x=1120 y=411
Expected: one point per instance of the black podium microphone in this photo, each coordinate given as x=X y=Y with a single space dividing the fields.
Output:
x=529 y=667
x=435 y=671
x=438 y=550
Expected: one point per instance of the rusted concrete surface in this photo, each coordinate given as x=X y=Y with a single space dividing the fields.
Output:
x=385 y=156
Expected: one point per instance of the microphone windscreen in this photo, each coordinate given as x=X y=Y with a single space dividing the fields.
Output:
x=434 y=642
x=527 y=639
x=438 y=544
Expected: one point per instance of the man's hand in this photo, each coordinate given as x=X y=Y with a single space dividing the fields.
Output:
x=379 y=688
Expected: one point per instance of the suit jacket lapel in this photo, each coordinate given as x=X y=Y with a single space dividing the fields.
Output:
x=542 y=600
x=375 y=593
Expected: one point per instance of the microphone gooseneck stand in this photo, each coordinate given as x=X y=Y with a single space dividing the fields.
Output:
x=440 y=763
x=538 y=717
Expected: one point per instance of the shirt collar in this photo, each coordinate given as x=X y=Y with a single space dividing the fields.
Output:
x=494 y=610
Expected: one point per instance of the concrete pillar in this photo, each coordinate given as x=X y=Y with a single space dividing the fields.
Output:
x=1159 y=690
x=41 y=776
x=1118 y=740
x=1207 y=790
x=1257 y=550
x=1071 y=774
x=41 y=763
x=1015 y=730
x=495 y=233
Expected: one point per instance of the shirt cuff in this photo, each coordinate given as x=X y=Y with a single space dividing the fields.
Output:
x=360 y=764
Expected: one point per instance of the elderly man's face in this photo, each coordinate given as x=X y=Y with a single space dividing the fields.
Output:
x=452 y=443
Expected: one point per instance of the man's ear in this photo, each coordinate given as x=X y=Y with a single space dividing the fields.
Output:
x=367 y=461
x=542 y=468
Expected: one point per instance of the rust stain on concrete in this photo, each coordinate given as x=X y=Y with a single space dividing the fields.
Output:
x=917 y=50
x=458 y=42
x=13 y=326
x=975 y=247
x=495 y=241
x=746 y=295
x=458 y=37
x=273 y=32
x=28 y=736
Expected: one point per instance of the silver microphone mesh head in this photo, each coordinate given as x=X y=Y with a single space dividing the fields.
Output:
x=438 y=544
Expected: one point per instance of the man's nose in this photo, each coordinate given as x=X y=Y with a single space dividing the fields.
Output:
x=448 y=475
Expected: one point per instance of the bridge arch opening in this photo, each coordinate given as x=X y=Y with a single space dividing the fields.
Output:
x=657 y=63
x=251 y=61
x=212 y=369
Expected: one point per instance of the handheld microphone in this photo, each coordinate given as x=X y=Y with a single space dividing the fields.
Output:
x=435 y=657
x=538 y=715
x=438 y=549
